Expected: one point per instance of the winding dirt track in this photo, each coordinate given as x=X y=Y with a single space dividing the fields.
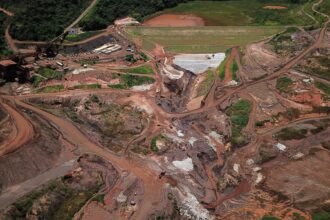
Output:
x=24 y=131
x=8 y=13
x=153 y=186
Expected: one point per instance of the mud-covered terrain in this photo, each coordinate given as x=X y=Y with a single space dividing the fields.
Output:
x=108 y=123
x=140 y=137
x=34 y=157
x=63 y=198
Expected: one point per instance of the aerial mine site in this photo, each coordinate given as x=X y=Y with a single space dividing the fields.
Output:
x=165 y=110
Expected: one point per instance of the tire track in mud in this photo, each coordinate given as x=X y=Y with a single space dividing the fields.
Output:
x=25 y=131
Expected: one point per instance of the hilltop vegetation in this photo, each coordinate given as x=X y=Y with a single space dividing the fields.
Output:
x=106 y=11
x=3 y=45
x=43 y=20
x=245 y=12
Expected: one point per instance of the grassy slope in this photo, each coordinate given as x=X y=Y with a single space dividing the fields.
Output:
x=81 y=37
x=236 y=23
x=44 y=19
x=201 y=39
x=3 y=45
x=243 y=12
x=239 y=114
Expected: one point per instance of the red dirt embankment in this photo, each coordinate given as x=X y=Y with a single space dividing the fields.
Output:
x=228 y=73
x=24 y=130
x=174 y=20
x=276 y=7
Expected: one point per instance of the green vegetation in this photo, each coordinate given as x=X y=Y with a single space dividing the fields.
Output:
x=324 y=87
x=321 y=216
x=320 y=66
x=291 y=134
x=200 y=39
x=140 y=70
x=128 y=81
x=222 y=67
x=49 y=89
x=4 y=51
x=297 y=216
x=130 y=58
x=153 y=144
x=261 y=123
x=290 y=114
x=269 y=217
x=82 y=36
x=244 y=12
x=50 y=73
x=106 y=11
x=234 y=69
x=283 y=84
x=140 y=150
x=99 y=198
x=239 y=117
x=206 y=85
x=87 y=86
x=43 y=20
x=66 y=201
x=283 y=43
x=46 y=73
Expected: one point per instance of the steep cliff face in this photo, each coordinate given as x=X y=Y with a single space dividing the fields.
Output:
x=177 y=82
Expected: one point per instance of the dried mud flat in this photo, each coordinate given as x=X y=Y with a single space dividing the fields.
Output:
x=174 y=20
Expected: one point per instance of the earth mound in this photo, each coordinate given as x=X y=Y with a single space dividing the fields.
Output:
x=174 y=20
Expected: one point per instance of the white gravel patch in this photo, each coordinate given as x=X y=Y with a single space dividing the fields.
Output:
x=280 y=147
x=298 y=156
x=192 y=140
x=145 y=87
x=180 y=133
x=216 y=136
x=174 y=138
x=199 y=63
x=121 y=198
x=184 y=165
x=260 y=177
x=236 y=167
x=81 y=70
x=232 y=83
x=191 y=208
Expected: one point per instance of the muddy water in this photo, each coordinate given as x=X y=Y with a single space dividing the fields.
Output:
x=174 y=20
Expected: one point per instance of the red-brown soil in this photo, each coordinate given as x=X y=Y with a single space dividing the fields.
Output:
x=228 y=73
x=173 y=20
x=276 y=7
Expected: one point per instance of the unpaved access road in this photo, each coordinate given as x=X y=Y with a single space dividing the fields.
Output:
x=153 y=186
x=8 y=13
x=24 y=131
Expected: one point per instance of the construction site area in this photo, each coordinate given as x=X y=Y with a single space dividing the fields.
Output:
x=104 y=128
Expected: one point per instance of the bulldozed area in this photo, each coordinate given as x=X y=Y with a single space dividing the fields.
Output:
x=105 y=129
x=108 y=123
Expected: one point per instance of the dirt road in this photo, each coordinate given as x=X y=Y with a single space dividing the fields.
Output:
x=8 y=13
x=75 y=22
x=24 y=131
x=10 y=41
x=153 y=186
